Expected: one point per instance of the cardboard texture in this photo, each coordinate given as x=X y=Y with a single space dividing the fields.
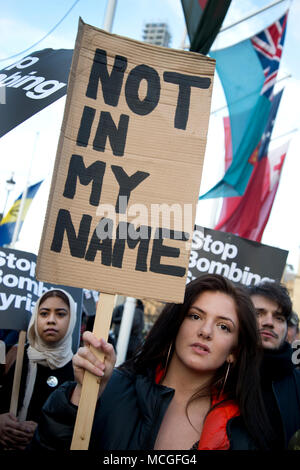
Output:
x=135 y=125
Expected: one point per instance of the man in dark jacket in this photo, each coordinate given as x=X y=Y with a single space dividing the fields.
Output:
x=280 y=379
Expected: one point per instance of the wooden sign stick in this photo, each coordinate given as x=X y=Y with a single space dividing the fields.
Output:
x=17 y=375
x=91 y=383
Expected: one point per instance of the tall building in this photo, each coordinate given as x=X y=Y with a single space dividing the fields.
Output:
x=157 y=33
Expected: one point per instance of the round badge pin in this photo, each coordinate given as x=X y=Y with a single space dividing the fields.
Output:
x=52 y=381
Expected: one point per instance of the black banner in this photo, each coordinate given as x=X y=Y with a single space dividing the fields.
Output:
x=19 y=291
x=240 y=260
x=31 y=84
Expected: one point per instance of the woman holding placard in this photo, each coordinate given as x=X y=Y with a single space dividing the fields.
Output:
x=193 y=384
x=47 y=364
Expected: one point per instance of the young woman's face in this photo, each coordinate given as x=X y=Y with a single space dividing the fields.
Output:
x=209 y=333
x=53 y=319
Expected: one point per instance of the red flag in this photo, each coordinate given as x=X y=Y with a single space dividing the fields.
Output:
x=247 y=215
x=272 y=175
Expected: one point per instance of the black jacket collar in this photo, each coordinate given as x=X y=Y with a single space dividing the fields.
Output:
x=277 y=363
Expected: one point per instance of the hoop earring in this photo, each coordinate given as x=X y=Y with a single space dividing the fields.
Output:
x=225 y=379
x=168 y=359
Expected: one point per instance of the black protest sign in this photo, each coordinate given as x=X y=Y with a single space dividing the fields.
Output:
x=128 y=168
x=240 y=260
x=31 y=84
x=19 y=291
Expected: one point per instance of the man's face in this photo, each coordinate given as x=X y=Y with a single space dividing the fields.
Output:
x=272 y=324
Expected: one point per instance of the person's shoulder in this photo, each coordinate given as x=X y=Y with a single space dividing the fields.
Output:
x=125 y=377
x=120 y=382
x=123 y=374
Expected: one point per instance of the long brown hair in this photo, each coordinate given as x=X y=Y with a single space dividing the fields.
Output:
x=243 y=383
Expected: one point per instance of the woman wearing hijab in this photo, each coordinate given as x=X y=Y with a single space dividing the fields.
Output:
x=47 y=364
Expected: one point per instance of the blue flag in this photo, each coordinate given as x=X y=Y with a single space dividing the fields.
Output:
x=8 y=223
x=244 y=214
x=266 y=137
x=248 y=73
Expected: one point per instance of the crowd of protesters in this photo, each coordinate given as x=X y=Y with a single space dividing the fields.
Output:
x=218 y=372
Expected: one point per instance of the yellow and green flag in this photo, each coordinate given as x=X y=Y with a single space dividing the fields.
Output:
x=8 y=223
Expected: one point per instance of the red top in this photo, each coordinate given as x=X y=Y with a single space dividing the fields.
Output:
x=214 y=435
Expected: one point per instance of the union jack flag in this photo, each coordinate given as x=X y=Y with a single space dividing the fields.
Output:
x=268 y=45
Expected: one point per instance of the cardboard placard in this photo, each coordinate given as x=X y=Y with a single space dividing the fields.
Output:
x=128 y=168
x=242 y=261
x=19 y=291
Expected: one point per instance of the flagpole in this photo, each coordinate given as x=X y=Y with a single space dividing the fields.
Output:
x=109 y=15
x=183 y=40
x=23 y=200
x=251 y=16
x=129 y=303
x=90 y=385
x=226 y=105
x=283 y=135
x=9 y=186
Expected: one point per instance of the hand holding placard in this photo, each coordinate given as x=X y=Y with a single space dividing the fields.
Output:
x=97 y=357
x=134 y=132
x=91 y=383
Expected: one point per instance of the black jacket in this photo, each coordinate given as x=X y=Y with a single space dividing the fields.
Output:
x=281 y=392
x=128 y=417
x=41 y=390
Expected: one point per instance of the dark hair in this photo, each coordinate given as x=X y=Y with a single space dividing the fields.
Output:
x=274 y=291
x=55 y=293
x=243 y=383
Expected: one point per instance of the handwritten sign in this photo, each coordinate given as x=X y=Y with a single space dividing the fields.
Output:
x=128 y=168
